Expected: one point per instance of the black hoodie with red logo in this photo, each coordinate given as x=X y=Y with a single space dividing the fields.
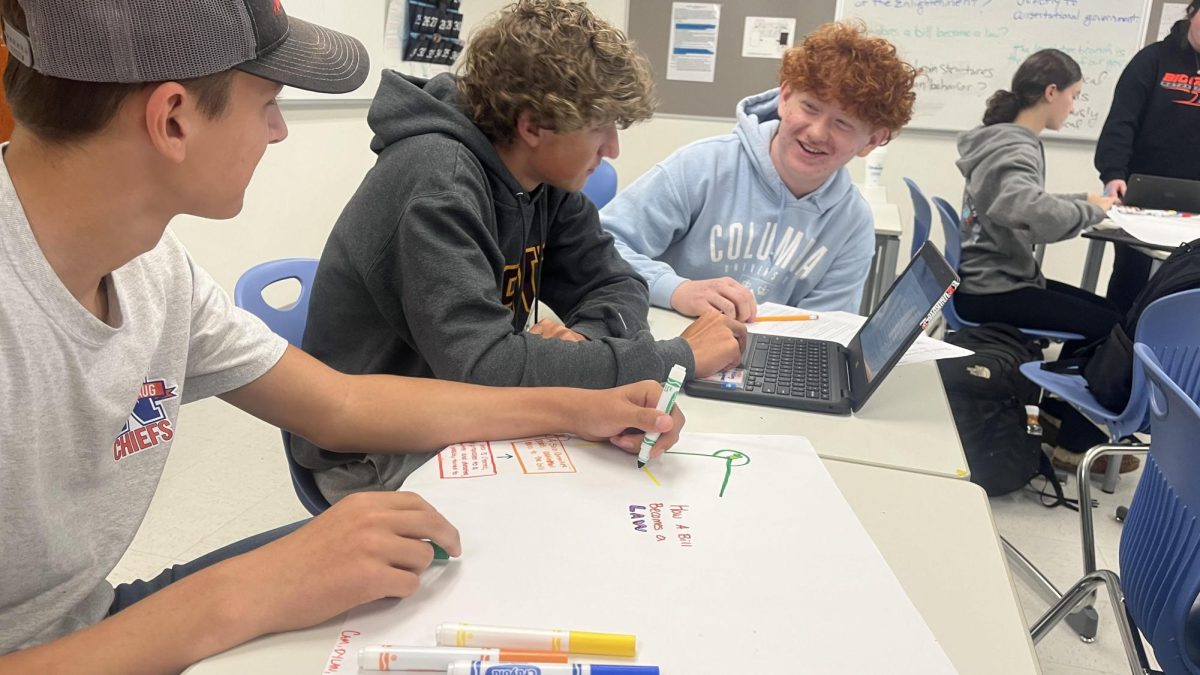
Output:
x=1152 y=125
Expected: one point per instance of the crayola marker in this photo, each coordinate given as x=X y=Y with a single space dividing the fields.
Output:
x=562 y=641
x=480 y=668
x=438 y=659
x=666 y=401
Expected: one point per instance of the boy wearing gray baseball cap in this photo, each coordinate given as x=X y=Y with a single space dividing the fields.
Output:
x=128 y=113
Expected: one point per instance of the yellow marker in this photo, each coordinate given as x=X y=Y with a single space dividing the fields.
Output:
x=569 y=641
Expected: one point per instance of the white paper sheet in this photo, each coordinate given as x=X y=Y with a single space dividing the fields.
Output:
x=1164 y=230
x=692 y=45
x=768 y=37
x=740 y=555
x=840 y=327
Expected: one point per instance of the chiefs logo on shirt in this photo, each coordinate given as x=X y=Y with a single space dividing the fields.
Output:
x=148 y=425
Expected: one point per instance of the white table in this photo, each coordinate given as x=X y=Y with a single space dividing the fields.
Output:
x=936 y=534
x=906 y=425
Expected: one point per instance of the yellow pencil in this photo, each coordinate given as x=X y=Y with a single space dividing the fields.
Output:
x=794 y=317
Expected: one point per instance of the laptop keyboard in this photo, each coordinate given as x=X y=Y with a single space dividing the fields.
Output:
x=788 y=366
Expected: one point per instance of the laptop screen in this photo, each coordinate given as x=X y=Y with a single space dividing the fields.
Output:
x=894 y=325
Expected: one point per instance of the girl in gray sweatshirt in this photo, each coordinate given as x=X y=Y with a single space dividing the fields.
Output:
x=1007 y=211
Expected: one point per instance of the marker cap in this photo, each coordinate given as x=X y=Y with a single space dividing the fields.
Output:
x=603 y=644
x=678 y=373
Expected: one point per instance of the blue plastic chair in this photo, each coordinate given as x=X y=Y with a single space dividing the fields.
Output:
x=1170 y=327
x=289 y=323
x=1160 y=544
x=601 y=186
x=951 y=228
x=922 y=216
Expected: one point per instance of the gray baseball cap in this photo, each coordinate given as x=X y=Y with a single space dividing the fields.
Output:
x=163 y=40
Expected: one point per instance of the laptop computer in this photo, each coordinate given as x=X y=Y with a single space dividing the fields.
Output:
x=1158 y=192
x=824 y=376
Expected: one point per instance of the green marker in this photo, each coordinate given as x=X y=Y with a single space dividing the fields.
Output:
x=666 y=401
x=439 y=553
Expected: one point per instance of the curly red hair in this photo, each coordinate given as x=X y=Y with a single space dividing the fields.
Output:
x=840 y=62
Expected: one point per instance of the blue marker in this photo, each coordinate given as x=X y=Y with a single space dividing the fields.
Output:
x=485 y=668
x=666 y=401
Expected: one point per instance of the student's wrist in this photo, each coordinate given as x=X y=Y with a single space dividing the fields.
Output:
x=235 y=603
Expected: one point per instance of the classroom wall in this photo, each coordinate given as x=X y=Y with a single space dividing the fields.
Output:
x=303 y=183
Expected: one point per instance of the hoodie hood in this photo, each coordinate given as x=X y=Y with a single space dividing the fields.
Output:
x=757 y=124
x=980 y=143
x=407 y=106
x=1179 y=33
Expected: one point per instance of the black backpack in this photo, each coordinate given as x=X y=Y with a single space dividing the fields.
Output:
x=988 y=395
x=1107 y=364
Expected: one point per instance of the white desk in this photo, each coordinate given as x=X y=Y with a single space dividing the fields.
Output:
x=906 y=425
x=936 y=534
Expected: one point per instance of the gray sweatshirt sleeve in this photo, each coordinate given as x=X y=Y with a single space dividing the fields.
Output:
x=1022 y=203
x=436 y=274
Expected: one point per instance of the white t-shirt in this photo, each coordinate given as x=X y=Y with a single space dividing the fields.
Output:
x=89 y=412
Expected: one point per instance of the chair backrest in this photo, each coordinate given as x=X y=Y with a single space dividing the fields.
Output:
x=1170 y=327
x=289 y=323
x=286 y=321
x=922 y=216
x=953 y=253
x=601 y=186
x=1160 y=543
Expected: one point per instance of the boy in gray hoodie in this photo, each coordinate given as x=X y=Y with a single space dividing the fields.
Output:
x=472 y=214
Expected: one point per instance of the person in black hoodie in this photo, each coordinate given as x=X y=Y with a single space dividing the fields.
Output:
x=472 y=214
x=1151 y=129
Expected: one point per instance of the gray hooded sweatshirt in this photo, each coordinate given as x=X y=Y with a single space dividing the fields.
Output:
x=437 y=261
x=1006 y=209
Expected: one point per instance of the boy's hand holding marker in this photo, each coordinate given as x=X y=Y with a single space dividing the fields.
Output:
x=622 y=415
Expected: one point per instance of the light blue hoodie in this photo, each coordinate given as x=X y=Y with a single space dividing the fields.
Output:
x=718 y=208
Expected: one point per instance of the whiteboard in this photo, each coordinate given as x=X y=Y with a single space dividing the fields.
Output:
x=363 y=19
x=970 y=48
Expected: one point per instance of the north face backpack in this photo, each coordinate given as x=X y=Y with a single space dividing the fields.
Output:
x=1107 y=364
x=988 y=395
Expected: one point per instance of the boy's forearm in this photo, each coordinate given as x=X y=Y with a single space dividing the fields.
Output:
x=189 y=620
x=425 y=414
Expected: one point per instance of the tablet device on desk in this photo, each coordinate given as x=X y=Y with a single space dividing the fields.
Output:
x=823 y=376
x=1157 y=192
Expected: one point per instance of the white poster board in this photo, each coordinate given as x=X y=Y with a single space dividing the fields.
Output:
x=736 y=554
